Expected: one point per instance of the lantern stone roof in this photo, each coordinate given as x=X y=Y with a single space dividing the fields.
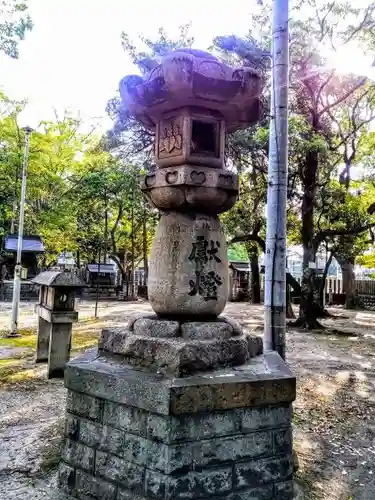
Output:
x=197 y=79
x=58 y=278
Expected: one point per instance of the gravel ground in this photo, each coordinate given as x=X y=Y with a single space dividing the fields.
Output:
x=334 y=424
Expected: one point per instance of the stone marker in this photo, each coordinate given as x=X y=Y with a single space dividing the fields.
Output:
x=56 y=316
x=183 y=404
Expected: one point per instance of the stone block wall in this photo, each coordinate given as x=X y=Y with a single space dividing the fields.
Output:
x=114 y=451
x=29 y=291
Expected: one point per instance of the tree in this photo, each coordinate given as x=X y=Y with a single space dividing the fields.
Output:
x=109 y=207
x=14 y=23
x=237 y=252
x=79 y=197
x=248 y=213
x=346 y=228
x=331 y=106
x=367 y=260
x=329 y=112
x=57 y=150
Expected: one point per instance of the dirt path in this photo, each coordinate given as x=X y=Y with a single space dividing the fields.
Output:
x=334 y=415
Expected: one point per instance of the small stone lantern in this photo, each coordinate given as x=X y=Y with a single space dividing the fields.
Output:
x=56 y=316
x=182 y=404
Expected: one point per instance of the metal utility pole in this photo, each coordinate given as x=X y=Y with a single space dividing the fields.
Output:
x=275 y=258
x=133 y=243
x=18 y=268
x=97 y=280
x=144 y=236
x=105 y=228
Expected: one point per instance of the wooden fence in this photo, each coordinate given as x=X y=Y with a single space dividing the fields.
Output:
x=335 y=286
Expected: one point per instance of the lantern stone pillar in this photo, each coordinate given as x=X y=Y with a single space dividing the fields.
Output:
x=182 y=403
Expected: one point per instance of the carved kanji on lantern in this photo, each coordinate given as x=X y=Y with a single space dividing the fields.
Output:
x=206 y=283
x=171 y=139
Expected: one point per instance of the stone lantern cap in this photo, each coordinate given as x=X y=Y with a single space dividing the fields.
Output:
x=193 y=78
x=58 y=279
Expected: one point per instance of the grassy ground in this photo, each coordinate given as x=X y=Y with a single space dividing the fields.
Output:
x=18 y=353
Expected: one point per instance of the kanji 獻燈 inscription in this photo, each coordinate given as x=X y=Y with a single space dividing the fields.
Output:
x=206 y=282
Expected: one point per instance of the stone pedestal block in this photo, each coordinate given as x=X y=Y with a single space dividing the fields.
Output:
x=44 y=332
x=53 y=346
x=179 y=349
x=222 y=435
x=59 y=349
x=188 y=275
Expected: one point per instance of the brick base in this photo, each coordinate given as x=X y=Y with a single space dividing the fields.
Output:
x=115 y=451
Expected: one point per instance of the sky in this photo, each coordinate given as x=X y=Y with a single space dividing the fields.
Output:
x=73 y=58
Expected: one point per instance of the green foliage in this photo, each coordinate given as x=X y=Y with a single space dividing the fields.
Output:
x=53 y=158
x=14 y=23
x=73 y=186
x=110 y=198
x=367 y=260
x=344 y=223
x=247 y=216
x=238 y=253
x=155 y=48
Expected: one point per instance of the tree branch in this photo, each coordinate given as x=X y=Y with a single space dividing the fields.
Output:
x=323 y=84
x=362 y=24
x=322 y=235
x=115 y=225
x=343 y=97
x=117 y=260
x=249 y=237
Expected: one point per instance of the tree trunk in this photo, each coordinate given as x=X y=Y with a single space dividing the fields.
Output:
x=290 y=280
x=293 y=283
x=348 y=282
x=145 y=246
x=323 y=281
x=121 y=267
x=309 y=310
x=105 y=230
x=289 y=309
x=255 y=274
x=132 y=293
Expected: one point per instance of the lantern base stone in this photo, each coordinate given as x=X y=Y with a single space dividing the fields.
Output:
x=180 y=348
x=135 y=435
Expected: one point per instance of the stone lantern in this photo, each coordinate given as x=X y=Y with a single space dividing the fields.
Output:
x=56 y=315
x=191 y=100
x=183 y=404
